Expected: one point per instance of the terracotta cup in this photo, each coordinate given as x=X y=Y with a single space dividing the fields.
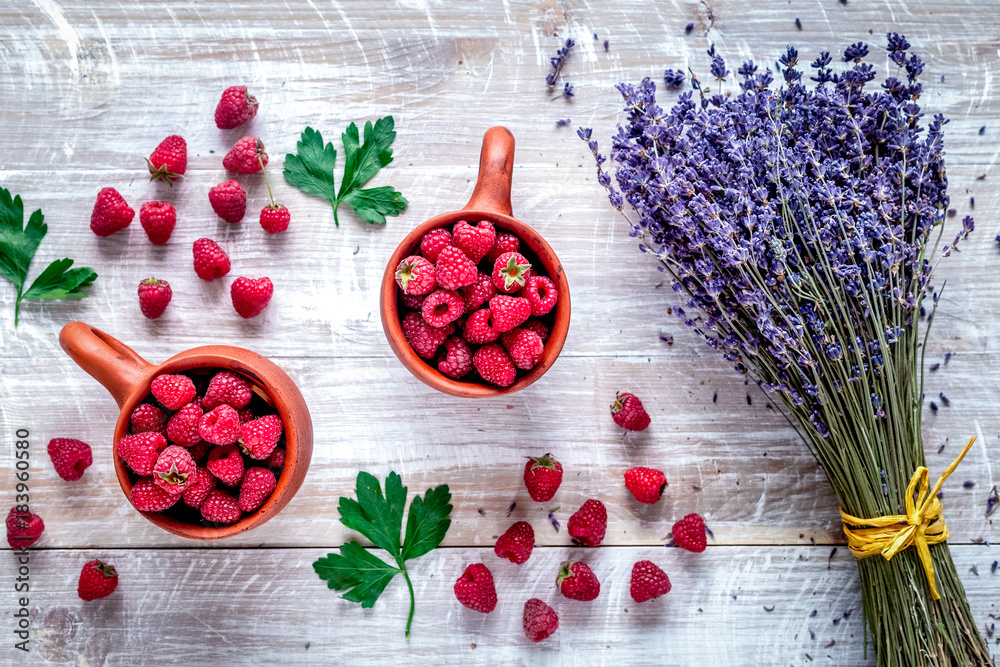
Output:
x=490 y=201
x=128 y=377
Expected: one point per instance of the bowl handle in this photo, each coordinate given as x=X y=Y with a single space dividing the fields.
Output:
x=496 y=166
x=106 y=359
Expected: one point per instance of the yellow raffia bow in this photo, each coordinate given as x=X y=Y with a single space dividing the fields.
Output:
x=921 y=526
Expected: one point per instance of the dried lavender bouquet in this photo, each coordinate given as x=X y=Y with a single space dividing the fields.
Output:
x=802 y=224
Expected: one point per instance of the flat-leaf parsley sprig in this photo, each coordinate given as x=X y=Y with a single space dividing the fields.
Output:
x=380 y=519
x=18 y=244
x=311 y=170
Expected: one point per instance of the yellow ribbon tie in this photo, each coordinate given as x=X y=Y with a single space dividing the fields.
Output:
x=921 y=526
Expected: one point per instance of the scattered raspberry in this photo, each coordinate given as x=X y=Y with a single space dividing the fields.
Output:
x=648 y=581
x=412 y=301
x=415 y=275
x=542 y=477
x=258 y=483
x=689 y=533
x=146 y=496
x=227 y=389
x=210 y=261
x=220 y=507
x=478 y=293
x=158 y=218
x=479 y=327
x=424 y=339
x=504 y=243
x=140 y=451
x=577 y=582
x=220 y=425
x=646 y=484
x=250 y=296
x=509 y=311
x=226 y=464
x=524 y=347
x=542 y=294
x=494 y=366
x=148 y=418
x=23 y=529
x=199 y=485
x=474 y=240
x=236 y=107
x=247 y=156
x=97 y=580
x=627 y=411
x=259 y=437
x=442 y=307
x=539 y=620
x=588 y=525
x=274 y=218
x=457 y=359
x=182 y=429
x=111 y=213
x=453 y=269
x=538 y=327
x=276 y=459
x=516 y=544
x=229 y=201
x=510 y=271
x=154 y=296
x=434 y=242
x=173 y=469
x=476 y=590
x=173 y=391
x=70 y=457
x=168 y=161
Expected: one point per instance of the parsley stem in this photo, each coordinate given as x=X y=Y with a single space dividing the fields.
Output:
x=413 y=600
x=335 y=220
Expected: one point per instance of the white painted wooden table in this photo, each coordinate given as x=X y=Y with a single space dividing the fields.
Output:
x=87 y=89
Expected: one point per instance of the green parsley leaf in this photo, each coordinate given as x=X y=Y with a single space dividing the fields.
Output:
x=18 y=244
x=379 y=517
x=311 y=170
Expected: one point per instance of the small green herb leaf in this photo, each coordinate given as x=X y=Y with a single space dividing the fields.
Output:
x=58 y=281
x=427 y=522
x=312 y=169
x=373 y=204
x=355 y=568
x=377 y=517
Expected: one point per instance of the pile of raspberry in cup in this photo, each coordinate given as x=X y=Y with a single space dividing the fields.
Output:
x=474 y=303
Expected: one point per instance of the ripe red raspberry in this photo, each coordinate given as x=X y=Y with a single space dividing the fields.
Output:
x=646 y=484
x=276 y=459
x=442 y=307
x=424 y=339
x=70 y=457
x=228 y=200
x=539 y=620
x=220 y=425
x=524 y=347
x=538 y=327
x=97 y=580
x=173 y=391
x=542 y=294
x=226 y=388
x=516 y=544
x=476 y=590
x=200 y=451
x=168 y=161
x=146 y=496
x=148 y=418
x=453 y=269
x=478 y=293
x=412 y=301
x=259 y=437
x=158 y=218
x=434 y=242
x=588 y=525
x=578 y=582
x=250 y=296
x=258 y=483
x=415 y=275
x=689 y=533
x=274 y=218
x=110 y=214
x=182 y=429
x=173 y=469
x=509 y=311
x=504 y=243
x=210 y=261
x=226 y=464
x=457 y=359
x=220 y=507
x=510 y=271
x=627 y=411
x=247 y=156
x=140 y=451
x=494 y=366
x=542 y=477
x=479 y=328
x=154 y=296
x=23 y=529
x=246 y=414
x=648 y=581
x=474 y=240
x=199 y=485
x=236 y=107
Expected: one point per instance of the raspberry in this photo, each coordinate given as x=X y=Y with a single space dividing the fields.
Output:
x=226 y=464
x=274 y=218
x=140 y=451
x=478 y=293
x=228 y=200
x=236 y=107
x=539 y=620
x=70 y=457
x=453 y=269
x=276 y=459
x=627 y=411
x=434 y=242
x=648 y=581
x=148 y=418
x=23 y=529
x=510 y=271
x=538 y=327
x=220 y=507
x=509 y=311
x=504 y=243
x=588 y=525
x=173 y=469
x=97 y=580
x=220 y=425
x=479 y=328
x=689 y=533
x=578 y=582
x=442 y=307
x=542 y=294
x=516 y=544
x=110 y=214
x=182 y=429
x=645 y=484
x=474 y=241
x=199 y=485
x=154 y=296
x=147 y=496
x=457 y=359
x=524 y=347
x=494 y=366
x=542 y=477
x=210 y=261
x=158 y=218
x=199 y=452
x=227 y=389
x=250 y=297
x=247 y=156
x=424 y=339
x=173 y=391
x=258 y=483
x=168 y=162
x=415 y=275
x=412 y=301
x=259 y=437
x=476 y=590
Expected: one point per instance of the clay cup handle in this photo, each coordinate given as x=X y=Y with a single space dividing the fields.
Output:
x=106 y=359
x=496 y=168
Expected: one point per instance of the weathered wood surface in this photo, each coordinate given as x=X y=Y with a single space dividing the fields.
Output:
x=88 y=88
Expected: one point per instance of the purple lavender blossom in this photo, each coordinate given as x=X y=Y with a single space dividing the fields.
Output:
x=673 y=78
x=558 y=61
x=563 y=121
x=567 y=90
